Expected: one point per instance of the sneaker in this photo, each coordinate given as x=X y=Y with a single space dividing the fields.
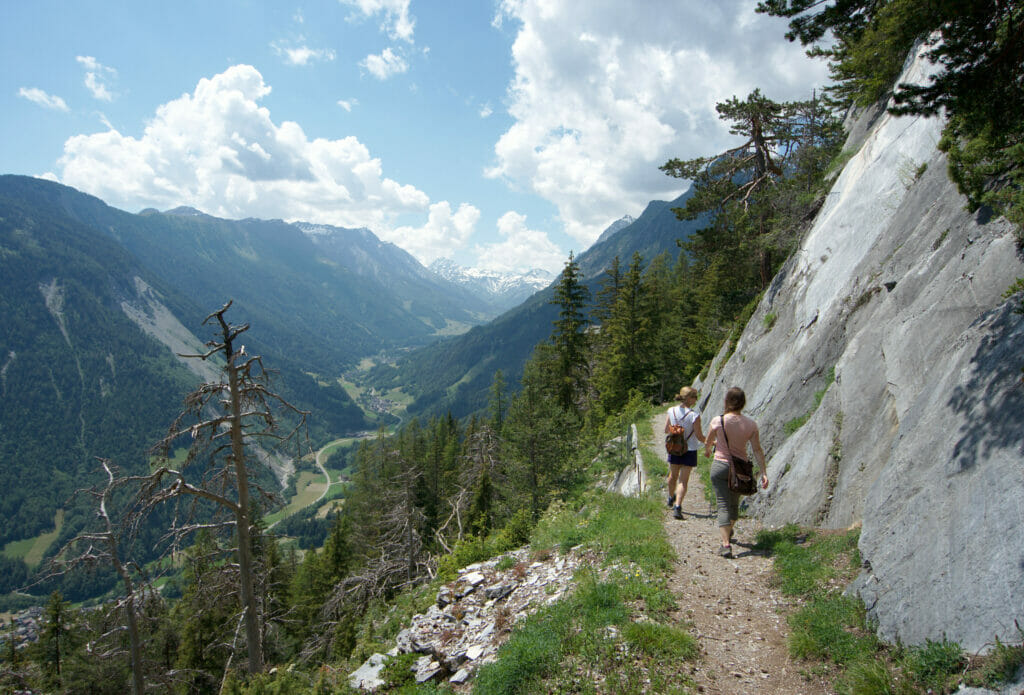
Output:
x=725 y=551
x=671 y=500
x=677 y=512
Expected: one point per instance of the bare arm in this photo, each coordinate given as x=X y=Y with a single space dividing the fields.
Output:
x=709 y=441
x=697 y=429
x=755 y=444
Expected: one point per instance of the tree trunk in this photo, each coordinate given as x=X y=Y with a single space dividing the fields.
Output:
x=252 y=631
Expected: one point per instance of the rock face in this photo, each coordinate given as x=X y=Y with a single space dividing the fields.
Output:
x=891 y=315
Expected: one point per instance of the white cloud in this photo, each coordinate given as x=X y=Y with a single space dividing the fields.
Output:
x=218 y=150
x=605 y=92
x=348 y=104
x=486 y=111
x=301 y=54
x=385 y=65
x=96 y=76
x=521 y=248
x=397 y=22
x=444 y=232
x=47 y=101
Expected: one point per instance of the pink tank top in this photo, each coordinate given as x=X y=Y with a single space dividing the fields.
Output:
x=741 y=429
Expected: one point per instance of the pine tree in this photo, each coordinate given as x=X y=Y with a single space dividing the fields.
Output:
x=569 y=336
x=54 y=642
x=977 y=47
x=497 y=403
x=539 y=434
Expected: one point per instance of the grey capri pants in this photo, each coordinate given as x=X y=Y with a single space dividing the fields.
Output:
x=728 y=501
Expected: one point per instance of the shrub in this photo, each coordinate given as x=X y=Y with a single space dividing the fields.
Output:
x=933 y=663
x=1002 y=664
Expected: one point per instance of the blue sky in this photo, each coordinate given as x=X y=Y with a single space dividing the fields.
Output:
x=501 y=134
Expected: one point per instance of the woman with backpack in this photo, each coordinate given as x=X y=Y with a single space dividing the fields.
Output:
x=729 y=435
x=680 y=465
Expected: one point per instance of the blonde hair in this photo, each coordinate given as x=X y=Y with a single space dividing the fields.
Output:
x=686 y=393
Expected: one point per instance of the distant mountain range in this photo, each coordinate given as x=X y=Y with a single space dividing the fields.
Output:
x=502 y=291
x=455 y=374
x=96 y=303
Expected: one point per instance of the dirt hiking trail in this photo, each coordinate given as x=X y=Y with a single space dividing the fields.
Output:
x=730 y=605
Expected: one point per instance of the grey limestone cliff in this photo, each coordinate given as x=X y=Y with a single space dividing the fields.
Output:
x=891 y=315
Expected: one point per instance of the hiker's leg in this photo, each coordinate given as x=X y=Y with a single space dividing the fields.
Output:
x=720 y=482
x=689 y=463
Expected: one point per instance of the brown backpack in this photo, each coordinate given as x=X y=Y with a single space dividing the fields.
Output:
x=675 y=440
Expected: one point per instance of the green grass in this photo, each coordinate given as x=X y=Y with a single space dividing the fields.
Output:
x=814 y=566
x=796 y=423
x=619 y=626
x=564 y=645
x=32 y=550
x=661 y=641
x=806 y=561
x=832 y=629
x=309 y=487
x=935 y=664
x=1001 y=665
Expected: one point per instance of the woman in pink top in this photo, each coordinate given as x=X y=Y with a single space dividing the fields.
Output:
x=739 y=430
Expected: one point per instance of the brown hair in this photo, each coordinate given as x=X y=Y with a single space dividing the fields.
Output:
x=735 y=399
x=685 y=393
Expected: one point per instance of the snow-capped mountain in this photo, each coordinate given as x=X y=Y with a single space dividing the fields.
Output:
x=615 y=226
x=503 y=290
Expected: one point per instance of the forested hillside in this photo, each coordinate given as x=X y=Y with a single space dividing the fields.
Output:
x=95 y=301
x=78 y=379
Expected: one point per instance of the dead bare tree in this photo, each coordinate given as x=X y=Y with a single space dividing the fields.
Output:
x=103 y=546
x=399 y=559
x=220 y=420
x=481 y=460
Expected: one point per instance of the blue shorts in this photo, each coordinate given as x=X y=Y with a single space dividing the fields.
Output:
x=687 y=459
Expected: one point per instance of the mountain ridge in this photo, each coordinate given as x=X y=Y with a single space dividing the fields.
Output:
x=456 y=373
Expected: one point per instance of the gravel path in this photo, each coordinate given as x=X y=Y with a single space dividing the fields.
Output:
x=731 y=606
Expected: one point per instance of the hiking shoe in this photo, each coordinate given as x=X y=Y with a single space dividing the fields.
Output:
x=671 y=499
x=677 y=512
x=725 y=551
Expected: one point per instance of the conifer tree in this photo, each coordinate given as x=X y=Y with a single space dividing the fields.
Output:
x=569 y=336
x=497 y=403
x=539 y=433
x=54 y=642
x=977 y=47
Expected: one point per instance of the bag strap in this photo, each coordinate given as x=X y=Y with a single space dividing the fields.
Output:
x=679 y=420
x=721 y=419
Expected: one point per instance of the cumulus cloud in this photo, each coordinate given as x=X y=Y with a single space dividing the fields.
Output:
x=218 y=150
x=96 y=77
x=301 y=54
x=385 y=65
x=443 y=232
x=348 y=104
x=486 y=111
x=520 y=248
x=397 y=23
x=604 y=93
x=38 y=96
